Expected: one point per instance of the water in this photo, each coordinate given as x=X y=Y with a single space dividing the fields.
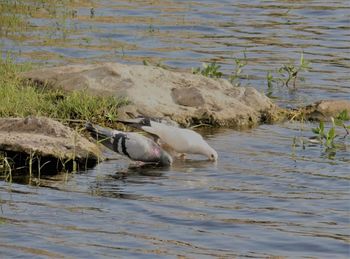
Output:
x=265 y=196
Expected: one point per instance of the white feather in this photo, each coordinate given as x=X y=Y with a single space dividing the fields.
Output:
x=181 y=140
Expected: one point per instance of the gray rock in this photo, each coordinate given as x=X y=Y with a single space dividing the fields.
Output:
x=44 y=138
x=156 y=92
x=322 y=110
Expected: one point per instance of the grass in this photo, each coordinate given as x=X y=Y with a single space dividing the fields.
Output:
x=330 y=138
x=6 y=167
x=208 y=70
x=327 y=138
x=287 y=74
x=212 y=70
x=21 y=100
x=236 y=75
x=15 y=15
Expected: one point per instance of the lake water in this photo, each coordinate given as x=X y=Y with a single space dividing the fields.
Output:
x=270 y=194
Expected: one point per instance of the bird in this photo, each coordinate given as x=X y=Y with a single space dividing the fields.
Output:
x=180 y=140
x=131 y=144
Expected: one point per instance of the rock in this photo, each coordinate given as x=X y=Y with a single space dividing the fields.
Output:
x=323 y=110
x=46 y=139
x=156 y=92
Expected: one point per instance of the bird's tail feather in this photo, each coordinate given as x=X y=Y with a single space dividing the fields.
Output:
x=99 y=132
x=136 y=122
x=140 y=121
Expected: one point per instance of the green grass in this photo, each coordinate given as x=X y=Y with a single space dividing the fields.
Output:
x=20 y=100
x=208 y=70
x=288 y=73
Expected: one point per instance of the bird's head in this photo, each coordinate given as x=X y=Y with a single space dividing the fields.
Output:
x=209 y=152
x=165 y=158
x=213 y=155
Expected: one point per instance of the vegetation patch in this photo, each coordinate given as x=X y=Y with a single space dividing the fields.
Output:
x=209 y=70
x=330 y=138
x=21 y=99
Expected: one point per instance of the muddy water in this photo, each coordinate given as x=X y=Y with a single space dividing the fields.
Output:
x=265 y=197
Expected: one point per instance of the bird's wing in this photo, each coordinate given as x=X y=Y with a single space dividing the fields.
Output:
x=133 y=145
x=137 y=147
x=180 y=140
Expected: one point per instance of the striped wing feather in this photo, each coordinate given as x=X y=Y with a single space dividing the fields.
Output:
x=140 y=148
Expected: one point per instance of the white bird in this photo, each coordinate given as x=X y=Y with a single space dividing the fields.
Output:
x=133 y=145
x=184 y=141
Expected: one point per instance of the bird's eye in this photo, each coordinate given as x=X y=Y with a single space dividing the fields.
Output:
x=212 y=156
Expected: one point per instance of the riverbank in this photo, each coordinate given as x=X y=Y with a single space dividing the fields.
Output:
x=41 y=129
x=73 y=94
x=21 y=99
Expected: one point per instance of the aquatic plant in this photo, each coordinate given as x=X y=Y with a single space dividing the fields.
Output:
x=287 y=73
x=324 y=136
x=212 y=70
x=237 y=71
x=208 y=70
x=6 y=167
x=340 y=120
x=151 y=28
x=327 y=138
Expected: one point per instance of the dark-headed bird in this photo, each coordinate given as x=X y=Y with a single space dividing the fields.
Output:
x=131 y=144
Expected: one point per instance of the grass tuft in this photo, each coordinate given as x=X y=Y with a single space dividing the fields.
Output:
x=20 y=100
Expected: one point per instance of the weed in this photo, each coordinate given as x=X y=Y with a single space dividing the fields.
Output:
x=237 y=72
x=287 y=73
x=340 y=120
x=327 y=138
x=151 y=28
x=208 y=70
x=92 y=13
x=20 y=100
x=271 y=80
x=212 y=70
x=6 y=167
x=87 y=40
x=330 y=138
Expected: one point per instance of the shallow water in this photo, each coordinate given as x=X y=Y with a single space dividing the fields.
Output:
x=265 y=196
x=183 y=34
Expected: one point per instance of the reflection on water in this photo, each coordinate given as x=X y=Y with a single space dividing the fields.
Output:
x=261 y=199
x=265 y=196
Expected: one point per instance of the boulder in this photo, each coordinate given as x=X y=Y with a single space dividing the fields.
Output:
x=153 y=91
x=47 y=140
x=322 y=110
